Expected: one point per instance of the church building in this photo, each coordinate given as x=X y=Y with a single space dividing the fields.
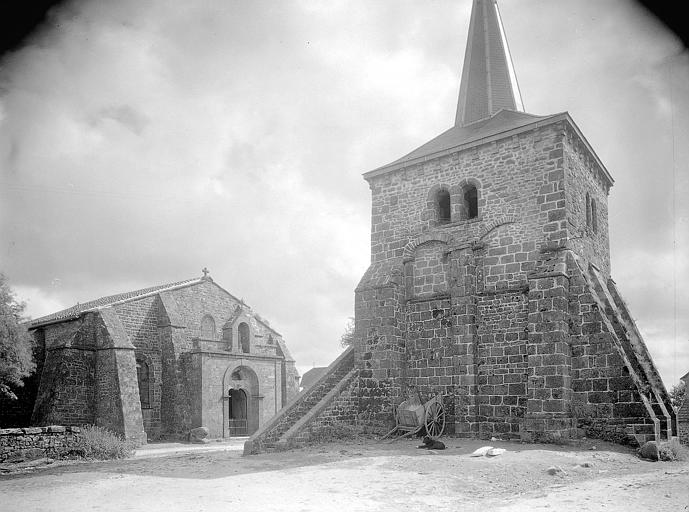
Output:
x=157 y=362
x=490 y=279
x=489 y=298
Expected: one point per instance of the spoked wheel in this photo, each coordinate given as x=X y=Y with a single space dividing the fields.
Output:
x=435 y=420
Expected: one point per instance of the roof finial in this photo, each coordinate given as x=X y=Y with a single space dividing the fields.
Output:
x=205 y=272
x=488 y=79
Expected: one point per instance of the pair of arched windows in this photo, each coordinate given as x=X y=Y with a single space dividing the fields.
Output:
x=591 y=213
x=208 y=333
x=468 y=209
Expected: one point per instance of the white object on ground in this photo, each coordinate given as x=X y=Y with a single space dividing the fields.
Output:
x=480 y=452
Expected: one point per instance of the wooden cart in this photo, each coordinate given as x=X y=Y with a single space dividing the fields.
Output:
x=413 y=415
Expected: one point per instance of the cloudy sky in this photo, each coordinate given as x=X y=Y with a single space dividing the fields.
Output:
x=142 y=141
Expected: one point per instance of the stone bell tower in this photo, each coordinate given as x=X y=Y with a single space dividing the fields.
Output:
x=490 y=280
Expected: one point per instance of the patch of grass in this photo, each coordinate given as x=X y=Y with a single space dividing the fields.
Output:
x=99 y=443
x=672 y=450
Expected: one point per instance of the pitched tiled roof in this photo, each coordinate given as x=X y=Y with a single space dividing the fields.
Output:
x=78 y=309
x=502 y=121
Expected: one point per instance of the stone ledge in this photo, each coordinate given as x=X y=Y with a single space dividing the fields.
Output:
x=52 y=429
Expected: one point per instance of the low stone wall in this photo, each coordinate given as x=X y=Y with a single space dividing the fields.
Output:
x=18 y=444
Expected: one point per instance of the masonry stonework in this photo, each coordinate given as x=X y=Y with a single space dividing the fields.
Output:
x=17 y=444
x=492 y=311
x=162 y=361
x=489 y=280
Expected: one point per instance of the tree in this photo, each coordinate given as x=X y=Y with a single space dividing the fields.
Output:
x=678 y=393
x=16 y=344
x=347 y=338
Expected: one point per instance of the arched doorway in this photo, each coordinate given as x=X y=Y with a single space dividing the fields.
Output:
x=237 y=413
x=242 y=401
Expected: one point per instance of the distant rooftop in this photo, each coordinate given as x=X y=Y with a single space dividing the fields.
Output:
x=311 y=376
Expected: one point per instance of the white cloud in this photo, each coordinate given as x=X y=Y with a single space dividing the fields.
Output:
x=142 y=141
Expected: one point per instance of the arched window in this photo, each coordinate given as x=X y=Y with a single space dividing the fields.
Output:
x=244 y=337
x=594 y=216
x=143 y=376
x=471 y=202
x=208 y=328
x=442 y=199
x=588 y=210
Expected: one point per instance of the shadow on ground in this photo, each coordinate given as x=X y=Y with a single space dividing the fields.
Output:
x=221 y=464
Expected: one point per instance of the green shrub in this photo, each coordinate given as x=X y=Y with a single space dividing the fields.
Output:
x=672 y=450
x=100 y=443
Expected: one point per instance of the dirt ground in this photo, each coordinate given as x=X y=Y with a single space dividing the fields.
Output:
x=356 y=476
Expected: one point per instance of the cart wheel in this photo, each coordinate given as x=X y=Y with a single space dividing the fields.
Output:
x=435 y=420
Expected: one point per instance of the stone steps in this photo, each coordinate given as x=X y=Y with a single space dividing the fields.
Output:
x=641 y=433
x=267 y=437
x=637 y=359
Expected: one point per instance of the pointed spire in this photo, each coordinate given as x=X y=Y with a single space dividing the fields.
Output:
x=488 y=79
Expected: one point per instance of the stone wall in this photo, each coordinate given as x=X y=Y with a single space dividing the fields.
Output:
x=379 y=353
x=683 y=424
x=187 y=337
x=583 y=176
x=67 y=380
x=503 y=362
x=431 y=351
x=489 y=311
x=194 y=363
x=337 y=420
x=519 y=177
x=263 y=390
x=67 y=390
x=140 y=321
x=17 y=444
x=605 y=397
x=549 y=387
x=458 y=326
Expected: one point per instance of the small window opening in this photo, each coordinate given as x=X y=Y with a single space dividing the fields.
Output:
x=588 y=210
x=244 y=337
x=143 y=376
x=594 y=216
x=443 y=200
x=471 y=202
